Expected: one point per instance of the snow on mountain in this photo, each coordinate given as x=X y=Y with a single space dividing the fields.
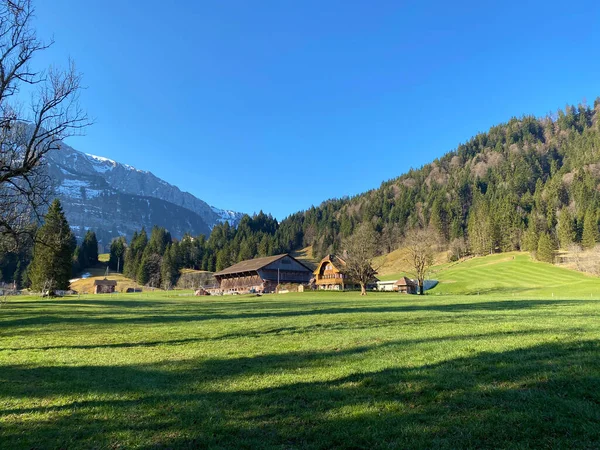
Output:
x=116 y=199
x=226 y=215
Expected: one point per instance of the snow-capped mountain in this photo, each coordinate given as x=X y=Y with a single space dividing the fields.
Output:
x=116 y=199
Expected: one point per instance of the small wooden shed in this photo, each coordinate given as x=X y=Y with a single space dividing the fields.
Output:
x=105 y=286
x=406 y=286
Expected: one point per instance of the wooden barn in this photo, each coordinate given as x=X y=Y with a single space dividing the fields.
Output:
x=262 y=275
x=406 y=286
x=104 y=286
x=329 y=276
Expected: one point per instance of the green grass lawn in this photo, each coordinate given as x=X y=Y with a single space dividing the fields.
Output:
x=514 y=275
x=310 y=370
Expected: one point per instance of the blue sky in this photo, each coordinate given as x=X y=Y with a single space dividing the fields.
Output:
x=278 y=105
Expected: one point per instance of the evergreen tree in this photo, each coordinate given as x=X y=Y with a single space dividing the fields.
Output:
x=222 y=260
x=129 y=266
x=439 y=218
x=246 y=251
x=89 y=250
x=168 y=268
x=590 y=229
x=133 y=254
x=52 y=254
x=143 y=272
x=546 y=248
x=76 y=264
x=531 y=238
x=117 y=254
x=480 y=229
x=264 y=246
x=565 y=229
x=159 y=239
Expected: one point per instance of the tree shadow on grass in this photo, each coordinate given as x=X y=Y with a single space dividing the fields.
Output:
x=543 y=396
x=73 y=301
x=502 y=290
x=191 y=315
x=282 y=331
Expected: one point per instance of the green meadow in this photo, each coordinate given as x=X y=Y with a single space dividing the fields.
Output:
x=503 y=353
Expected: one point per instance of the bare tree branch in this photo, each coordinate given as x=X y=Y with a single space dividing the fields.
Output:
x=361 y=248
x=421 y=245
x=28 y=134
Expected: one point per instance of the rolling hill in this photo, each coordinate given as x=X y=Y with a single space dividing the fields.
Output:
x=512 y=274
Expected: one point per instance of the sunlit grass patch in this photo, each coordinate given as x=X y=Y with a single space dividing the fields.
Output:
x=311 y=370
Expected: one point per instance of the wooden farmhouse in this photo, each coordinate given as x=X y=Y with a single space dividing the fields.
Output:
x=262 y=275
x=329 y=276
x=405 y=285
x=104 y=286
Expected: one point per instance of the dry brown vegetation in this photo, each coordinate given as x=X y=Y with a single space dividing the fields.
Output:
x=83 y=285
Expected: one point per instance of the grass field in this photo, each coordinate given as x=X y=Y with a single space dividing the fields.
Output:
x=514 y=275
x=311 y=370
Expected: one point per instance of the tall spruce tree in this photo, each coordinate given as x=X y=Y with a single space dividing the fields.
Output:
x=50 y=269
x=546 y=248
x=565 y=229
x=590 y=229
x=143 y=271
x=531 y=238
x=89 y=250
x=168 y=269
x=133 y=254
x=117 y=254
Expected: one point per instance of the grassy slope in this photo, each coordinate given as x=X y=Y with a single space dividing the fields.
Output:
x=305 y=255
x=312 y=370
x=396 y=264
x=512 y=275
x=86 y=285
x=515 y=274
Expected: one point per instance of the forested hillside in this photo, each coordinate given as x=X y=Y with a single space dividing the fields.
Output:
x=503 y=190
x=528 y=184
x=523 y=181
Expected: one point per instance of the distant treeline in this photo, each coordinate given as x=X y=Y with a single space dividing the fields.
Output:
x=157 y=259
x=529 y=184
x=524 y=184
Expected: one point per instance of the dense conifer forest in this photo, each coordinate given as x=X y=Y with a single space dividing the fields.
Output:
x=525 y=182
x=528 y=184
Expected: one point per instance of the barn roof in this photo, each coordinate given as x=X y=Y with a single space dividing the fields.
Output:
x=105 y=282
x=256 y=264
x=337 y=262
x=405 y=282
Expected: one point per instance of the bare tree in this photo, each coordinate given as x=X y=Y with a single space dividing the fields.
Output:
x=575 y=251
x=457 y=249
x=361 y=248
x=595 y=261
x=27 y=133
x=422 y=245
